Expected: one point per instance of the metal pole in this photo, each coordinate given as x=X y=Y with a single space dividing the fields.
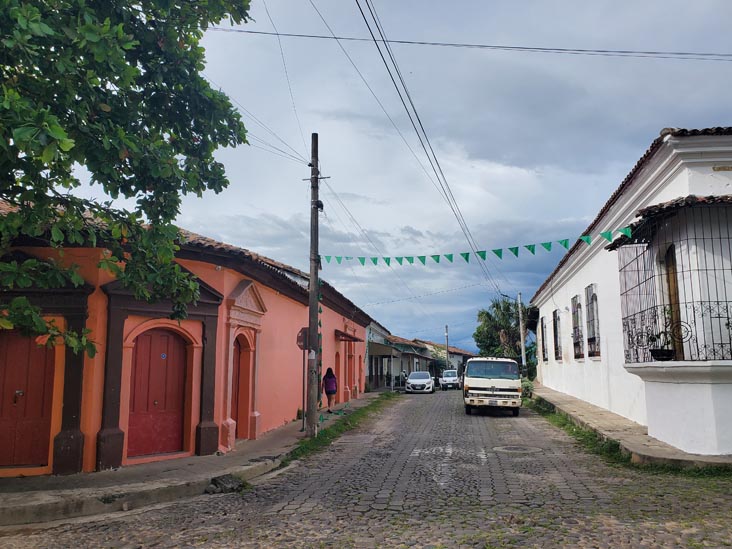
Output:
x=313 y=340
x=521 y=334
x=304 y=386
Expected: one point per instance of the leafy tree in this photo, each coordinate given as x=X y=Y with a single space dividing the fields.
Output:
x=114 y=88
x=498 y=333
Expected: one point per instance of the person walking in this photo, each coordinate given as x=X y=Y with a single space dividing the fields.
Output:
x=330 y=385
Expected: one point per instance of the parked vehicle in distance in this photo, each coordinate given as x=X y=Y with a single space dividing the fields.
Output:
x=492 y=382
x=449 y=380
x=420 y=382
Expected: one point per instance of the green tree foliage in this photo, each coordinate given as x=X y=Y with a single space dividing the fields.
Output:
x=498 y=333
x=113 y=90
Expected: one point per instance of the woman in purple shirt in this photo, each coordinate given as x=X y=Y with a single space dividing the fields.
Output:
x=330 y=385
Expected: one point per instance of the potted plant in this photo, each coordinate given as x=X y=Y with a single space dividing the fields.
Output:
x=661 y=340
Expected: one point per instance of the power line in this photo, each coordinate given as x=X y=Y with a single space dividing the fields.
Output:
x=425 y=295
x=287 y=77
x=659 y=54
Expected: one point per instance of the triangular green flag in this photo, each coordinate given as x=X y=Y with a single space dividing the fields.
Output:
x=466 y=256
x=327 y=258
x=375 y=260
x=320 y=324
x=320 y=310
x=362 y=260
x=607 y=235
x=498 y=252
x=399 y=260
x=409 y=259
x=547 y=246
x=626 y=231
x=436 y=258
x=564 y=242
x=348 y=257
x=423 y=259
x=339 y=259
x=448 y=257
x=514 y=250
x=481 y=254
x=387 y=260
x=586 y=238
x=531 y=248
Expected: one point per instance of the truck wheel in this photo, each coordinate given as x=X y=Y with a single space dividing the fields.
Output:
x=467 y=409
x=515 y=412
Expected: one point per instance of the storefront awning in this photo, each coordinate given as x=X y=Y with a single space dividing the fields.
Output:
x=345 y=336
x=380 y=349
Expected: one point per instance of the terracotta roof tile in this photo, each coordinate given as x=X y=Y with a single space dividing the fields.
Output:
x=628 y=181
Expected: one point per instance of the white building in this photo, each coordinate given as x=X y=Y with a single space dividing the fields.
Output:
x=606 y=312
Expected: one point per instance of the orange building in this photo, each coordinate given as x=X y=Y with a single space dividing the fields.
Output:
x=161 y=389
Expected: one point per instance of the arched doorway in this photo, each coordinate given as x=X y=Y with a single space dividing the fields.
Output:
x=157 y=394
x=241 y=388
x=337 y=369
x=26 y=396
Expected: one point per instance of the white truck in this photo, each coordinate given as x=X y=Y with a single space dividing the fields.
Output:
x=492 y=382
x=449 y=380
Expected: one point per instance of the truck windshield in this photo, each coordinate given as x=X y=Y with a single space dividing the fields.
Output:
x=493 y=369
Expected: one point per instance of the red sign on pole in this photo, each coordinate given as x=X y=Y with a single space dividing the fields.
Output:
x=302 y=338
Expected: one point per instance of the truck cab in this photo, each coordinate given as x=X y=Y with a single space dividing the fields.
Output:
x=492 y=382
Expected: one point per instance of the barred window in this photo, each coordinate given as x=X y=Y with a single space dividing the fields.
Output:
x=593 y=321
x=544 y=353
x=557 y=335
x=577 y=339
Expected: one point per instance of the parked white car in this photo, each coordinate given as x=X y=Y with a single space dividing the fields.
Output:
x=420 y=382
x=449 y=380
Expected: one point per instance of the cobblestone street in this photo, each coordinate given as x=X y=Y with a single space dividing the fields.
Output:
x=423 y=474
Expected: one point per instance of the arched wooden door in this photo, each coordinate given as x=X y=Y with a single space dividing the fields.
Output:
x=157 y=394
x=241 y=388
x=26 y=397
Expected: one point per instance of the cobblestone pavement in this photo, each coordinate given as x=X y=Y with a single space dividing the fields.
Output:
x=423 y=474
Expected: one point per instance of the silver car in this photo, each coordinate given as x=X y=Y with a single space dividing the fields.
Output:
x=420 y=382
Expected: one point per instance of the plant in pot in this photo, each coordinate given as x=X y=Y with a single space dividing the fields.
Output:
x=661 y=340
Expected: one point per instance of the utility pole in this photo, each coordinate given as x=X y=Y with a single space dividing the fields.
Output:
x=313 y=339
x=521 y=335
x=447 y=351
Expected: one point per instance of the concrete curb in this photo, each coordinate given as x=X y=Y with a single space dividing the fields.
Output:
x=641 y=448
x=66 y=504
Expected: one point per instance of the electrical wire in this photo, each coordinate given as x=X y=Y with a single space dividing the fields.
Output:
x=659 y=54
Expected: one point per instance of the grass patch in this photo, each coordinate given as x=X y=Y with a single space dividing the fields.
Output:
x=610 y=450
x=342 y=424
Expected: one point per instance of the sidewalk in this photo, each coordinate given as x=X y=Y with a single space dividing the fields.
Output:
x=632 y=437
x=47 y=498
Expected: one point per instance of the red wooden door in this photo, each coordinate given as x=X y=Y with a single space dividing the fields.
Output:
x=157 y=394
x=235 y=379
x=26 y=396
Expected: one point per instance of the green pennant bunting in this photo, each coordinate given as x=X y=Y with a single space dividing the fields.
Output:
x=607 y=235
x=531 y=248
x=320 y=282
x=348 y=257
x=320 y=324
x=320 y=297
x=498 y=252
x=586 y=238
x=320 y=310
x=410 y=259
x=465 y=256
x=362 y=260
x=481 y=254
x=423 y=259
x=327 y=258
x=564 y=242
x=514 y=250
x=338 y=259
x=436 y=258
x=375 y=260
x=399 y=260
x=387 y=260
x=448 y=257
x=626 y=231
x=547 y=246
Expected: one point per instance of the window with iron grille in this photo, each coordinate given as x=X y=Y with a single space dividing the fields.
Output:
x=577 y=339
x=593 y=321
x=544 y=353
x=557 y=335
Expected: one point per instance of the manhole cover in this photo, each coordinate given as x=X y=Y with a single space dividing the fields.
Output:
x=355 y=439
x=517 y=449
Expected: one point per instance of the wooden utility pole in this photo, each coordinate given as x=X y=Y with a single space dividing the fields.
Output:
x=313 y=339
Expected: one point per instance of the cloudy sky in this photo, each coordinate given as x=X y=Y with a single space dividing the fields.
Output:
x=531 y=143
